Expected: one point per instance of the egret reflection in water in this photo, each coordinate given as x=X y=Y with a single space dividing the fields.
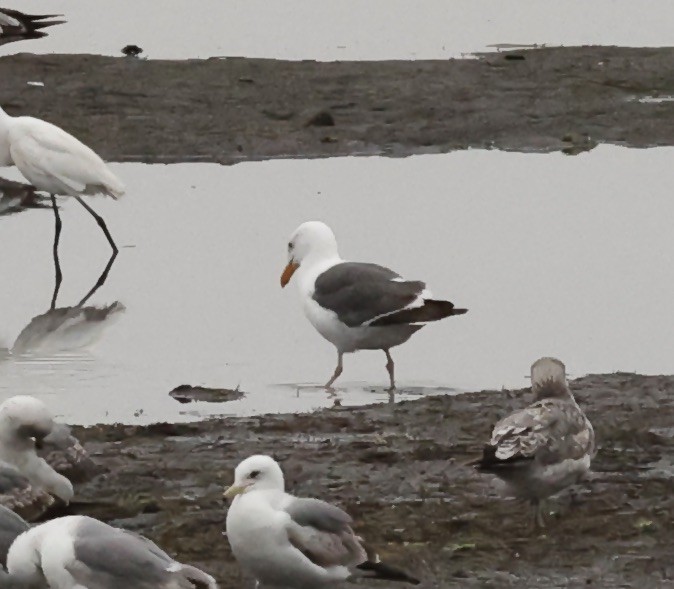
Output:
x=68 y=328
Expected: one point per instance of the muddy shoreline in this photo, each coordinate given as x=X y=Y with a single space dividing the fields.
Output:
x=236 y=109
x=399 y=469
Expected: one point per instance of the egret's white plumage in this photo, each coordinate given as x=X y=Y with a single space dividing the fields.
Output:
x=78 y=552
x=56 y=162
x=357 y=306
x=293 y=542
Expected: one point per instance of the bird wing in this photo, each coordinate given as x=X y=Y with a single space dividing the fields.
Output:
x=105 y=557
x=550 y=430
x=362 y=293
x=18 y=494
x=322 y=532
x=42 y=150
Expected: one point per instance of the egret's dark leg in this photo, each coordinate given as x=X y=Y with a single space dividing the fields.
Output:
x=57 y=264
x=101 y=280
x=101 y=223
x=390 y=367
x=338 y=371
x=539 y=506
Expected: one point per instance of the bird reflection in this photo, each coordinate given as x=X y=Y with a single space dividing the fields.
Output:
x=68 y=328
x=15 y=25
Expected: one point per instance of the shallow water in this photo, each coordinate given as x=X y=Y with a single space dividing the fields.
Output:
x=569 y=256
x=345 y=30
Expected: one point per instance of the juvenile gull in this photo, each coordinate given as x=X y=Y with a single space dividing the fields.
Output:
x=357 y=306
x=291 y=542
x=77 y=552
x=25 y=421
x=544 y=448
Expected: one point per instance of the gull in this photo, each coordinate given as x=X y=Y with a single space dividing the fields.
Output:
x=542 y=449
x=15 y=25
x=357 y=306
x=79 y=552
x=11 y=526
x=293 y=542
x=20 y=496
x=24 y=422
x=57 y=163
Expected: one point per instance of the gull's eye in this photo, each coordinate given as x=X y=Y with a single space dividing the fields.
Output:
x=254 y=474
x=290 y=245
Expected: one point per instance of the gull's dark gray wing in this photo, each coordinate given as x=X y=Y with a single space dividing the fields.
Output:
x=11 y=525
x=359 y=293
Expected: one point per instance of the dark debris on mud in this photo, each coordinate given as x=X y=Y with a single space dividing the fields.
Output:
x=235 y=109
x=399 y=469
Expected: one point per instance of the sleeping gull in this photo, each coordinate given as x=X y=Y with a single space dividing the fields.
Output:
x=357 y=306
x=77 y=552
x=542 y=449
x=25 y=421
x=287 y=541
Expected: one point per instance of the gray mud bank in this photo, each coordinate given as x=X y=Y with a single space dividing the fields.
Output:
x=236 y=109
x=400 y=470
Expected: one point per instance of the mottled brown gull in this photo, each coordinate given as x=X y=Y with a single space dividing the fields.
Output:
x=544 y=448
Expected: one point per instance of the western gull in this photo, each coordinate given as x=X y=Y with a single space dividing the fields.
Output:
x=77 y=551
x=293 y=542
x=357 y=306
x=24 y=422
x=542 y=449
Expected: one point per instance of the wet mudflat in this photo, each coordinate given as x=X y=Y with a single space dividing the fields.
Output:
x=399 y=469
x=229 y=110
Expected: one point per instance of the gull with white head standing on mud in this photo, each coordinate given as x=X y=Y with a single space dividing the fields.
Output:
x=292 y=542
x=546 y=447
x=357 y=306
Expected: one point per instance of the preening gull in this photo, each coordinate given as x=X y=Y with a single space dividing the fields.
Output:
x=19 y=495
x=544 y=448
x=292 y=542
x=11 y=526
x=357 y=306
x=25 y=421
x=76 y=552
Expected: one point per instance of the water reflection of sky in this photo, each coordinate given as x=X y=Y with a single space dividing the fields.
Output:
x=344 y=30
x=552 y=254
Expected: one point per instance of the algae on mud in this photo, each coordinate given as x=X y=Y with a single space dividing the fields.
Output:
x=236 y=109
x=400 y=470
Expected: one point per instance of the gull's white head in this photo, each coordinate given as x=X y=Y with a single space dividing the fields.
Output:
x=259 y=473
x=25 y=417
x=311 y=240
x=548 y=378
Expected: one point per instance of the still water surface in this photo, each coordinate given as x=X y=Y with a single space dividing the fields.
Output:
x=569 y=256
x=344 y=30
